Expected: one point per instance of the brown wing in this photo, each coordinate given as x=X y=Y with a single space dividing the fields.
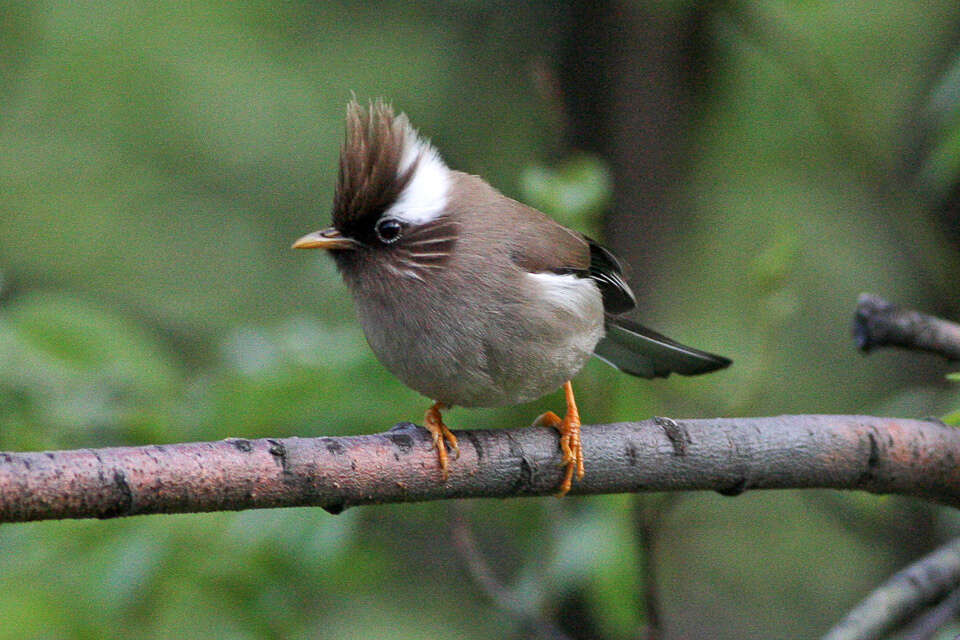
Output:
x=535 y=242
x=542 y=245
x=551 y=247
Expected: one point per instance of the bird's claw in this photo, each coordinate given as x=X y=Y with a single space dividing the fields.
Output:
x=570 y=445
x=442 y=438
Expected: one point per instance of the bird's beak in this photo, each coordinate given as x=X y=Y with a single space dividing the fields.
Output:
x=329 y=239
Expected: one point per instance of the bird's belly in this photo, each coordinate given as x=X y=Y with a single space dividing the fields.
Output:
x=475 y=357
x=456 y=374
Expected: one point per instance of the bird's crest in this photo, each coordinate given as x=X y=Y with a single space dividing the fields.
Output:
x=379 y=159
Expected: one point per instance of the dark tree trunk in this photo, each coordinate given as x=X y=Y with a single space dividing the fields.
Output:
x=626 y=80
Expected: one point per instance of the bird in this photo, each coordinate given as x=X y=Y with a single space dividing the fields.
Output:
x=472 y=298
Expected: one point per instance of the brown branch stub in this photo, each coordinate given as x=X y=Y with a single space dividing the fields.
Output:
x=903 y=596
x=880 y=323
x=729 y=455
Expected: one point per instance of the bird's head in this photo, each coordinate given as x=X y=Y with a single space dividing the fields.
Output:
x=390 y=207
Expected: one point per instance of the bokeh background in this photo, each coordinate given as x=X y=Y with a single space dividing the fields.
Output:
x=758 y=164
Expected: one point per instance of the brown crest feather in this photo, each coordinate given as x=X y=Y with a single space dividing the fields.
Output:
x=369 y=180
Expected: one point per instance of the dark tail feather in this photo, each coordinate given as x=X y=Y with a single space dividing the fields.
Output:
x=641 y=352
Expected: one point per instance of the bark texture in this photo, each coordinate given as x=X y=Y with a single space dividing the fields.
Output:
x=879 y=323
x=728 y=455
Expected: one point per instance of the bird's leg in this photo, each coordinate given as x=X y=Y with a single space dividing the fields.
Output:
x=442 y=436
x=569 y=428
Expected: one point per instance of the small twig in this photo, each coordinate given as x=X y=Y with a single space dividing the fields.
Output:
x=464 y=542
x=648 y=515
x=930 y=623
x=879 y=323
x=907 y=592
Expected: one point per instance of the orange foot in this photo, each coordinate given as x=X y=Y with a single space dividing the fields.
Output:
x=569 y=428
x=442 y=436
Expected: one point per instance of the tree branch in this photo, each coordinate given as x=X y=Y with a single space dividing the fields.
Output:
x=729 y=455
x=910 y=590
x=879 y=323
x=929 y=624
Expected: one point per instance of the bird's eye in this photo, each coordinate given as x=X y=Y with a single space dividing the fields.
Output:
x=389 y=230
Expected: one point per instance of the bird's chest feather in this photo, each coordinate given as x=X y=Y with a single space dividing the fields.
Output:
x=472 y=340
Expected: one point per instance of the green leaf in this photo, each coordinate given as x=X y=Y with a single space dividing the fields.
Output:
x=578 y=188
x=775 y=262
x=952 y=419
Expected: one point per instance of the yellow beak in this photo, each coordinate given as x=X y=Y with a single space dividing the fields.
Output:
x=329 y=239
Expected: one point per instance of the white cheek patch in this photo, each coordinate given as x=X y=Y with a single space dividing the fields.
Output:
x=425 y=196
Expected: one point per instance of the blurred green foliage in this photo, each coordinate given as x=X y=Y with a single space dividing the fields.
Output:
x=576 y=190
x=953 y=418
x=156 y=161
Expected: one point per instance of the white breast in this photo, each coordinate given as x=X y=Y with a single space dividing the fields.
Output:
x=573 y=295
x=577 y=306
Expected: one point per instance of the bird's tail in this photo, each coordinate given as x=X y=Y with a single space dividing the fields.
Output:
x=641 y=352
